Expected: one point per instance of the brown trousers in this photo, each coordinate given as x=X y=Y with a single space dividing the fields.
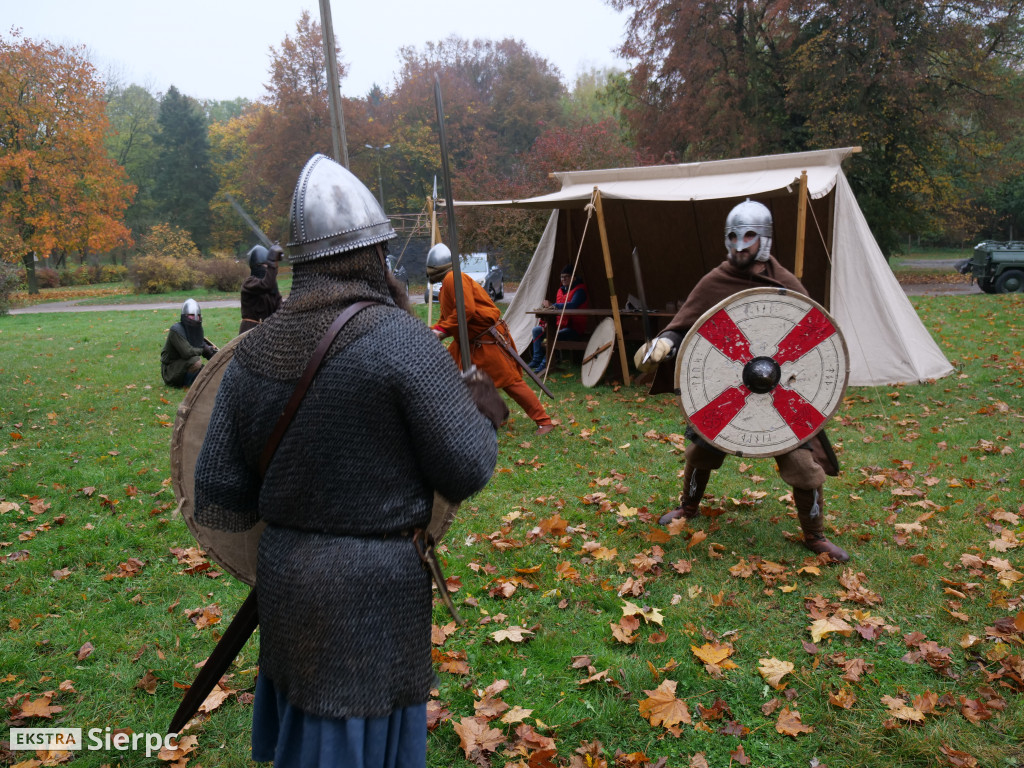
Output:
x=797 y=468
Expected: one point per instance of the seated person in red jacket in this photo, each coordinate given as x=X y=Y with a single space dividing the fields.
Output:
x=570 y=327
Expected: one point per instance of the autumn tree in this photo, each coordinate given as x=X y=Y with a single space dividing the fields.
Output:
x=707 y=79
x=60 y=189
x=573 y=146
x=295 y=122
x=928 y=91
x=924 y=88
x=232 y=155
x=133 y=112
x=498 y=95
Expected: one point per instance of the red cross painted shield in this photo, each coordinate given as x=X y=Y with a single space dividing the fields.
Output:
x=761 y=372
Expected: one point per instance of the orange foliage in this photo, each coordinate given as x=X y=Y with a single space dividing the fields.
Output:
x=62 y=189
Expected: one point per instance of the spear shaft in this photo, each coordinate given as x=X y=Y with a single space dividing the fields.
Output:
x=453 y=238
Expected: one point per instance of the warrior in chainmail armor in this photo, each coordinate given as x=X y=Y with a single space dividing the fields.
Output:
x=181 y=359
x=344 y=600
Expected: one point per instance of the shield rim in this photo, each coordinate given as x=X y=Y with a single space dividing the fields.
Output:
x=690 y=339
x=593 y=371
x=220 y=546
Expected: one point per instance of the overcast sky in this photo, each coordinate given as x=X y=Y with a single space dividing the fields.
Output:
x=219 y=49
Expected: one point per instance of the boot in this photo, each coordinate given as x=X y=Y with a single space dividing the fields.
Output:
x=694 y=482
x=811 y=514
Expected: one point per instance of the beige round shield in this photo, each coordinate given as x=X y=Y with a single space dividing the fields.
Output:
x=761 y=372
x=234 y=552
x=598 y=352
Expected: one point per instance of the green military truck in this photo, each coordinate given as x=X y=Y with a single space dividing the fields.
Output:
x=997 y=266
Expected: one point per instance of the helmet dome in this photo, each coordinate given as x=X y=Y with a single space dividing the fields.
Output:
x=332 y=212
x=439 y=262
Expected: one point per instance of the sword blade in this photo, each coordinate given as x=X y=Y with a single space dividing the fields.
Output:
x=511 y=352
x=643 y=297
x=453 y=237
x=231 y=642
x=245 y=217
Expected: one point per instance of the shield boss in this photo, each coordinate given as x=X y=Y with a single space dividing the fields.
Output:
x=761 y=372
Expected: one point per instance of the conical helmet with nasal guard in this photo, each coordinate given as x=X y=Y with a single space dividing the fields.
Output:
x=439 y=262
x=332 y=213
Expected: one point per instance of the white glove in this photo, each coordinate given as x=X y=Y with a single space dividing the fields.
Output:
x=659 y=348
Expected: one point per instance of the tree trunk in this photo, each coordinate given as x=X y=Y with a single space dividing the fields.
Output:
x=30 y=271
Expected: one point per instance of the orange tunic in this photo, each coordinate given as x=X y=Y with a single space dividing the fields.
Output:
x=481 y=314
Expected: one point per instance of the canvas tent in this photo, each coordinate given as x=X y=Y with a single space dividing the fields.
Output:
x=675 y=214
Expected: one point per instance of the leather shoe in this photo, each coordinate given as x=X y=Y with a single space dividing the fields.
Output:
x=674 y=514
x=821 y=545
x=543 y=429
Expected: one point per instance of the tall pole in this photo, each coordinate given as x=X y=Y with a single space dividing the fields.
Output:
x=606 y=251
x=333 y=85
x=801 y=226
x=380 y=179
x=453 y=236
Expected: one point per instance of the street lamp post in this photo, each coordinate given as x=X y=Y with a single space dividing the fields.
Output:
x=380 y=180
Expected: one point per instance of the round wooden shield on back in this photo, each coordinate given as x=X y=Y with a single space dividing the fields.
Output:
x=234 y=552
x=761 y=372
x=599 y=351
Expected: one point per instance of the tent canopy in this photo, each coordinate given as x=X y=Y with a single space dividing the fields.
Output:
x=675 y=216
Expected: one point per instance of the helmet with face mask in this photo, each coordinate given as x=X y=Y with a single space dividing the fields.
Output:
x=191 y=314
x=745 y=223
x=192 y=322
x=439 y=262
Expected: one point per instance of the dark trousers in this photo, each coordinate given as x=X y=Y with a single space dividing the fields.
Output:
x=565 y=334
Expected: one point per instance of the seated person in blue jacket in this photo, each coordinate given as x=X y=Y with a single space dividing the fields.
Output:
x=570 y=327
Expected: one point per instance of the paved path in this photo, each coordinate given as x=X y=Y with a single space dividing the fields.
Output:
x=76 y=306
x=941 y=289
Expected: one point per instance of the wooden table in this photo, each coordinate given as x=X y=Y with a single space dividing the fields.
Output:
x=551 y=312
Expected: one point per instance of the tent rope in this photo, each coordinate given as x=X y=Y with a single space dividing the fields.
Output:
x=860 y=345
x=589 y=208
x=821 y=235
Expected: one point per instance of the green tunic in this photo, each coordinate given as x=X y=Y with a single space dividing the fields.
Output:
x=177 y=357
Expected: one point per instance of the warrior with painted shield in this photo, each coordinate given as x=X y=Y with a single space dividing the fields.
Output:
x=748 y=264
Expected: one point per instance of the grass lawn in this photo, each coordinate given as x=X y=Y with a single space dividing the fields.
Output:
x=595 y=637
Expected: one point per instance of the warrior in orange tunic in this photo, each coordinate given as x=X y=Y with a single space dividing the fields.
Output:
x=485 y=353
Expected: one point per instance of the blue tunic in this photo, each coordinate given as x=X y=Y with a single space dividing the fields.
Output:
x=292 y=738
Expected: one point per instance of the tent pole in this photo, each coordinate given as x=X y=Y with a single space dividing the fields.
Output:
x=611 y=285
x=801 y=225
